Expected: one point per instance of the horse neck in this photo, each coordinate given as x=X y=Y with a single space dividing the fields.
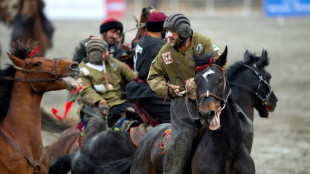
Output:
x=230 y=126
x=245 y=100
x=23 y=119
x=34 y=31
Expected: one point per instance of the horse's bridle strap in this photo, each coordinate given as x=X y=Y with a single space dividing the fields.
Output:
x=35 y=165
x=27 y=80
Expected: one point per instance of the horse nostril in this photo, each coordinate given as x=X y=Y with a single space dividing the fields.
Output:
x=211 y=114
x=205 y=115
x=74 y=66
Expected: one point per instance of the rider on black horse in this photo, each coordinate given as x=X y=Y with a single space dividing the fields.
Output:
x=175 y=60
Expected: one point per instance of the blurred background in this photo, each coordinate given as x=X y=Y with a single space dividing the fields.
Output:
x=282 y=27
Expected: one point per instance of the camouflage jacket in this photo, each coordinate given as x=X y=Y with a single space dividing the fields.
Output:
x=94 y=85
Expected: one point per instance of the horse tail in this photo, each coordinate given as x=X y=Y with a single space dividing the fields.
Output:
x=51 y=124
x=61 y=166
x=121 y=166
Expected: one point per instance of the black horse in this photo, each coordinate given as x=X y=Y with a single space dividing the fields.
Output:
x=220 y=148
x=100 y=153
x=250 y=84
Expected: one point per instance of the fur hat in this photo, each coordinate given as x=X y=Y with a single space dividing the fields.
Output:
x=94 y=50
x=155 y=21
x=111 y=23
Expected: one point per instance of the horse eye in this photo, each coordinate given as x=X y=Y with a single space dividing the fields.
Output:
x=37 y=64
x=221 y=79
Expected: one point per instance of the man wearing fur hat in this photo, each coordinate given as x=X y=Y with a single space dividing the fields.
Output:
x=174 y=63
x=146 y=50
x=111 y=30
x=102 y=78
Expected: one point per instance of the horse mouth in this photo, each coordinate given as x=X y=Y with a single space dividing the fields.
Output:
x=68 y=84
x=215 y=123
x=270 y=108
x=210 y=119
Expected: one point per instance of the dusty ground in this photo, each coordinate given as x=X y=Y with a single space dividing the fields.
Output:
x=281 y=143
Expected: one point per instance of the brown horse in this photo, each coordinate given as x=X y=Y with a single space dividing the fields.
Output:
x=22 y=87
x=5 y=14
x=31 y=24
x=67 y=143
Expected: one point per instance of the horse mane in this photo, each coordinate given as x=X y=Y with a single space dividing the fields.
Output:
x=203 y=59
x=234 y=69
x=249 y=59
x=20 y=50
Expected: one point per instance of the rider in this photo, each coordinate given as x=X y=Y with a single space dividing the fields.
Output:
x=111 y=30
x=102 y=77
x=174 y=63
x=146 y=50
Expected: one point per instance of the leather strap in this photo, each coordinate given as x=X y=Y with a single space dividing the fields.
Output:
x=35 y=165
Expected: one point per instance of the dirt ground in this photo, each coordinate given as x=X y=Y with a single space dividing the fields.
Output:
x=281 y=143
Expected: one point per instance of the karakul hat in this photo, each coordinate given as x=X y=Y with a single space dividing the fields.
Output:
x=111 y=23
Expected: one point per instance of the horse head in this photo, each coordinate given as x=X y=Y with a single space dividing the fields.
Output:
x=42 y=73
x=146 y=11
x=265 y=99
x=5 y=13
x=29 y=8
x=211 y=88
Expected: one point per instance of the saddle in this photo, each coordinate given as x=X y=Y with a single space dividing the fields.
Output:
x=137 y=133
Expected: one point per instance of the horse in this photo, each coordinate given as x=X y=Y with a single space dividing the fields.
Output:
x=31 y=24
x=22 y=87
x=5 y=14
x=250 y=84
x=150 y=142
x=11 y=12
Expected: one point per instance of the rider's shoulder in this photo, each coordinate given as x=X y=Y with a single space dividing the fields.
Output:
x=200 y=37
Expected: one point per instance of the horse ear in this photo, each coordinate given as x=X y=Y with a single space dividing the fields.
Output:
x=16 y=61
x=264 y=60
x=246 y=56
x=190 y=87
x=221 y=61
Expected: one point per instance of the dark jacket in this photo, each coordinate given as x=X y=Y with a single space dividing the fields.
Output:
x=146 y=50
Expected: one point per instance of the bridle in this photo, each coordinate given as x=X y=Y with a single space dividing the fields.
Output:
x=264 y=99
x=31 y=81
x=35 y=165
x=207 y=94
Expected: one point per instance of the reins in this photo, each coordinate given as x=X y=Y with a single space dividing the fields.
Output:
x=208 y=94
x=36 y=166
x=256 y=93
x=31 y=81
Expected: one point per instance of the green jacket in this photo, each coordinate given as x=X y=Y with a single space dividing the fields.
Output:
x=94 y=85
x=169 y=64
